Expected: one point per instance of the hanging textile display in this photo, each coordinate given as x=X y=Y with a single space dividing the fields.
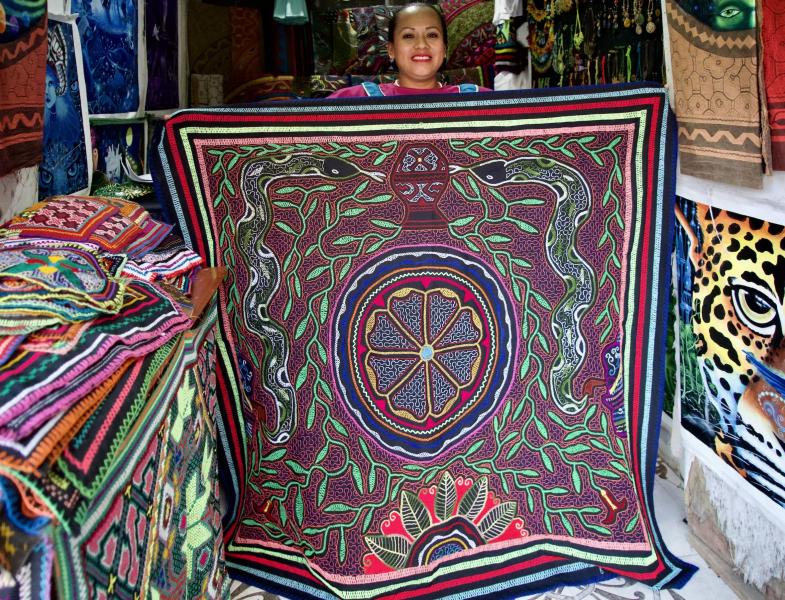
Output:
x=22 y=73
x=471 y=34
x=162 y=39
x=371 y=35
x=66 y=165
x=209 y=47
x=116 y=143
x=247 y=47
x=731 y=349
x=591 y=43
x=291 y=12
x=110 y=33
x=772 y=34
x=715 y=70
x=441 y=344
x=292 y=45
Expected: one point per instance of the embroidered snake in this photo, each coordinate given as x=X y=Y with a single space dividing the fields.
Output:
x=571 y=210
x=265 y=273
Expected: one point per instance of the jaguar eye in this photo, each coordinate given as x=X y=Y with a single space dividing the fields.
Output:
x=755 y=307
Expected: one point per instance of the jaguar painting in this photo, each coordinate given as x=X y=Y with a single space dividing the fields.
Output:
x=732 y=310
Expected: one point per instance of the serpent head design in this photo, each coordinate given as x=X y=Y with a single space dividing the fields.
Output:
x=571 y=210
x=265 y=276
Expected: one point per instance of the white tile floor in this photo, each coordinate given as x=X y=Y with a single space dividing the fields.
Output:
x=669 y=508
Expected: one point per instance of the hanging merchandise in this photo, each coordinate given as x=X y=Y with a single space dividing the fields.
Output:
x=110 y=48
x=163 y=54
x=246 y=47
x=715 y=71
x=471 y=35
x=589 y=43
x=773 y=34
x=291 y=12
x=65 y=166
x=510 y=55
x=22 y=64
x=541 y=36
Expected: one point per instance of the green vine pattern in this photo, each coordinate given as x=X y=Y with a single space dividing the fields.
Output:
x=515 y=429
x=224 y=171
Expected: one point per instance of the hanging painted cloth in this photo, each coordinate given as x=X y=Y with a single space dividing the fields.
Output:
x=719 y=116
x=773 y=33
x=291 y=12
x=163 y=54
x=22 y=67
x=65 y=165
x=110 y=42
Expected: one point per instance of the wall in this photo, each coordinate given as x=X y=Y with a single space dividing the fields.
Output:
x=738 y=530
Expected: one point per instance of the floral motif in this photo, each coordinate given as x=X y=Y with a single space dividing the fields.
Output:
x=424 y=352
x=444 y=523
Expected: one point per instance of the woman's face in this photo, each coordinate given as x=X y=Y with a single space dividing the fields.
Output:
x=50 y=95
x=418 y=47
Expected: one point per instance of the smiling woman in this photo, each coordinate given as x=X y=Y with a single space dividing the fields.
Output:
x=418 y=47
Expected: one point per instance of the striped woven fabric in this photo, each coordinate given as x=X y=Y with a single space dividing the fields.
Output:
x=39 y=388
x=441 y=339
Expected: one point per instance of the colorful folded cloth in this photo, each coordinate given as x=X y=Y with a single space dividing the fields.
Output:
x=37 y=386
x=23 y=530
x=112 y=224
x=64 y=272
x=165 y=262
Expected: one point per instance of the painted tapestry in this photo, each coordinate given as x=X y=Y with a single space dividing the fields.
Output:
x=65 y=167
x=110 y=45
x=118 y=142
x=22 y=64
x=441 y=337
x=731 y=285
x=772 y=36
x=714 y=58
x=163 y=43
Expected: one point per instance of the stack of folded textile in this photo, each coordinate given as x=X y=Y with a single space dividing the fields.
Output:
x=93 y=295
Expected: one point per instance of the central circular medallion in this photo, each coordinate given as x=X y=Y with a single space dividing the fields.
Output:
x=423 y=348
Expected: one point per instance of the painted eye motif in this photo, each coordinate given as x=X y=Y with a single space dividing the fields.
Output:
x=756 y=307
x=730 y=12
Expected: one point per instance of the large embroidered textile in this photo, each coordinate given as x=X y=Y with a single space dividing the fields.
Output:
x=441 y=337
x=730 y=287
x=715 y=70
x=772 y=35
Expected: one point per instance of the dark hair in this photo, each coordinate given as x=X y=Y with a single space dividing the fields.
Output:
x=394 y=19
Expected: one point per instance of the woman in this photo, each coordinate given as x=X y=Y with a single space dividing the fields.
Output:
x=418 y=47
